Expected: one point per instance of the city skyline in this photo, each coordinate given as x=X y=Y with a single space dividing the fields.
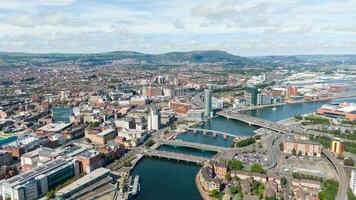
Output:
x=242 y=28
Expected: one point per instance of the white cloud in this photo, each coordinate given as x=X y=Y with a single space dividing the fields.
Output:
x=158 y=26
x=179 y=24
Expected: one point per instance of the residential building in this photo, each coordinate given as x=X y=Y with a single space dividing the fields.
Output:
x=337 y=146
x=353 y=181
x=306 y=147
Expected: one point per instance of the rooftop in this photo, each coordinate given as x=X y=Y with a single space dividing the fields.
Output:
x=55 y=127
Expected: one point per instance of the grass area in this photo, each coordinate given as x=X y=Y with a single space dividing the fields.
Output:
x=329 y=190
x=50 y=194
x=300 y=176
x=348 y=122
x=338 y=133
x=323 y=140
x=245 y=142
x=350 y=194
x=314 y=119
x=216 y=194
x=227 y=94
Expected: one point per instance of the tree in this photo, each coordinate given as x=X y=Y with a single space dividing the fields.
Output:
x=294 y=152
x=284 y=181
x=349 y=162
x=228 y=176
x=235 y=165
x=340 y=157
x=300 y=153
x=257 y=168
x=149 y=143
x=233 y=190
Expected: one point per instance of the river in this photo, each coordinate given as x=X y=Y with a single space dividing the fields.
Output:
x=163 y=179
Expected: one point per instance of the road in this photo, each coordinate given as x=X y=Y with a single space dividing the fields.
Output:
x=343 y=179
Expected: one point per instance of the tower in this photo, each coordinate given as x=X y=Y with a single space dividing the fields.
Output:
x=207 y=102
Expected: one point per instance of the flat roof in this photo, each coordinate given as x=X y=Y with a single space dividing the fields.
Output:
x=54 y=127
x=105 y=132
x=86 y=179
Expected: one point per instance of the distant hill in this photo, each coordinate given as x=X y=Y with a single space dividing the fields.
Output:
x=223 y=58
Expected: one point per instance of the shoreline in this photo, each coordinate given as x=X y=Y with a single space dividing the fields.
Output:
x=203 y=194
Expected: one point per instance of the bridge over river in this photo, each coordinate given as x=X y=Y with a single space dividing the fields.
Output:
x=261 y=122
x=200 y=146
x=176 y=156
x=215 y=133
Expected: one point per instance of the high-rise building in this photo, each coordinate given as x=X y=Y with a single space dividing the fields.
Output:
x=207 y=102
x=154 y=120
x=353 y=181
x=251 y=95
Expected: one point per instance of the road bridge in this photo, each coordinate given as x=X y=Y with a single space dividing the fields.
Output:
x=343 y=179
x=176 y=156
x=261 y=122
x=193 y=145
x=214 y=133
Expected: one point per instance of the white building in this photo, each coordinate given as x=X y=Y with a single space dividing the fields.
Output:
x=353 y=181
x=154 y=120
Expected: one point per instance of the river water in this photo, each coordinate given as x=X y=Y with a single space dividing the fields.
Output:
x=172 y=180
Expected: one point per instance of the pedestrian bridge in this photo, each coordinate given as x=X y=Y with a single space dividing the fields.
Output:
x=176 y=156
x=194 y=145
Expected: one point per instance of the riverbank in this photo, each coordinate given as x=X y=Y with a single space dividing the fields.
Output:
x=202 y=192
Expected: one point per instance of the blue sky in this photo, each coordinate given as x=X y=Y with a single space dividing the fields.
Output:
x=248 y=28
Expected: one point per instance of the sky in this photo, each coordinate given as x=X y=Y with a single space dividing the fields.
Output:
x=241 y=27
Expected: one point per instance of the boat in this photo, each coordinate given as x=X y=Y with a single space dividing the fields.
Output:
x=274 y=108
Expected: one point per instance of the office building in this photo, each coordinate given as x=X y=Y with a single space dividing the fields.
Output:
x=251 y=95
x=353 y=181
x=207 y=102
x=89 y=161
x=217 y=104
x=154 y=120
x=96 y=183
x=100 y=137
x=197 y=115
x=36 y=183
